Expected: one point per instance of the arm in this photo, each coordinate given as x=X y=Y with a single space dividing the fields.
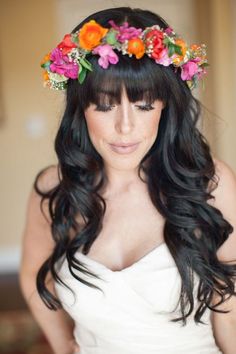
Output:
x=224 y=325
x=37 y=246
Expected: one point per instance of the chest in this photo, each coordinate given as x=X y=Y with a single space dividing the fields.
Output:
x=131 y=229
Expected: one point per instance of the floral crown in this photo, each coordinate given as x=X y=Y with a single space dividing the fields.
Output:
x=68 y=59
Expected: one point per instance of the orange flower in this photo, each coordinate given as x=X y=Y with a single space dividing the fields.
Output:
x=194 y=47
x=180 y=42
x=45 y=59
x=136 y=47
x=91 y=34
x=198 y=51
x=179 y=58
x=45 y=76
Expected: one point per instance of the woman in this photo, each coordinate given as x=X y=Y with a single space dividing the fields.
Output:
x=131 y=237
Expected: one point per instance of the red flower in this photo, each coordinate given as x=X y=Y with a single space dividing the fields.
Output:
x=66 y=45
x=155 y=37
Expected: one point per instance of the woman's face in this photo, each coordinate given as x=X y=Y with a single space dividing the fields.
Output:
x=112 y=125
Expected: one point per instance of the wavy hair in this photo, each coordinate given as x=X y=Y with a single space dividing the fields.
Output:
x=179 y=169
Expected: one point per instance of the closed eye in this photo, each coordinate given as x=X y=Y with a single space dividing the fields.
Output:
x=146 y=107
x=104 y=108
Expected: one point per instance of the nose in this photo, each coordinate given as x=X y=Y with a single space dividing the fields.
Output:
x=125 y=120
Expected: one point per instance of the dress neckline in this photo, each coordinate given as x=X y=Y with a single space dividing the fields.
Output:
x=147 y=255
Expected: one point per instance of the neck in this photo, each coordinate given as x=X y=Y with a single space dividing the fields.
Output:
x=123 y=181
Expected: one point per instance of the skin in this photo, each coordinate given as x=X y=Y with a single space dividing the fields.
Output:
x=123 y=123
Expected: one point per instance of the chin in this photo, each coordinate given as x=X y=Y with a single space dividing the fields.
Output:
x=126 y=162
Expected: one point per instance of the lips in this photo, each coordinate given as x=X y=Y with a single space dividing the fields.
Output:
x=123 y=148
x=124 y=144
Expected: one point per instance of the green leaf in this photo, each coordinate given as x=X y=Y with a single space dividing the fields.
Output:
x=205 y=65
x=86 y=64
x=178 y=49
x=74 y=38
x=166 y=41
x=82 y=75
x=46 y=65
x=111 y=37
x=171 y=50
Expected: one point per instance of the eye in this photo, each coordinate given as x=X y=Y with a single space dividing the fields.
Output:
x=103 y=108
x=147 y=107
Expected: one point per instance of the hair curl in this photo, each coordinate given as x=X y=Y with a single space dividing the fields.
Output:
x=178 y=167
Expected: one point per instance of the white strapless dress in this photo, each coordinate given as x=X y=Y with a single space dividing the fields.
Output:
x=132 y=314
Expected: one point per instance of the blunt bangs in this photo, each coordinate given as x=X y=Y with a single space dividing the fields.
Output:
x=142 y=79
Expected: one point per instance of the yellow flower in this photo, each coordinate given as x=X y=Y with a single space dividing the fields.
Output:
x=91 y=34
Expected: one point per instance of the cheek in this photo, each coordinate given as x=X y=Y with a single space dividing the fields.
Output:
x=97 y=129
x=151 y=129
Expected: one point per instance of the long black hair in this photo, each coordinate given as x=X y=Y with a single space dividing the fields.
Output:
x=179 y=171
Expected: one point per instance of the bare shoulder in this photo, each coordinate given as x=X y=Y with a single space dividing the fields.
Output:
x=225 y=201
x=45 y=181
x=227 y=177
x=48 y=178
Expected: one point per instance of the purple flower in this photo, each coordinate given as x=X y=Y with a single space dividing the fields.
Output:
x=189 y=70
x=125 y=32
x=107 y=55
x=62 y=66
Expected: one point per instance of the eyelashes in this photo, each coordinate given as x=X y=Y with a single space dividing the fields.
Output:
x=106 y=108
x=103 y=108
x=148 y=107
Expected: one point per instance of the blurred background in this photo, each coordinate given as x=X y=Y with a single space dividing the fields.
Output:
x=30 y=114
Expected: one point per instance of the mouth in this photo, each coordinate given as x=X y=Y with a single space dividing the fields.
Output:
x=124 y=148
x=124 y=144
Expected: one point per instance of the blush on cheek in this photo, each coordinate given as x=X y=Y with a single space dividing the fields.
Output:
x=98 y=129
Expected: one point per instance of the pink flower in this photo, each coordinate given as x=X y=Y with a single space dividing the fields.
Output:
x=107 y=55
x=62 y=66
x=169 y=31
x=164 y=58
x=201 y=72
x=189 y=70
x=125 y=32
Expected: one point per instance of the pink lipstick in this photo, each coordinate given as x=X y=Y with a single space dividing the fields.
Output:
x=124 y=148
